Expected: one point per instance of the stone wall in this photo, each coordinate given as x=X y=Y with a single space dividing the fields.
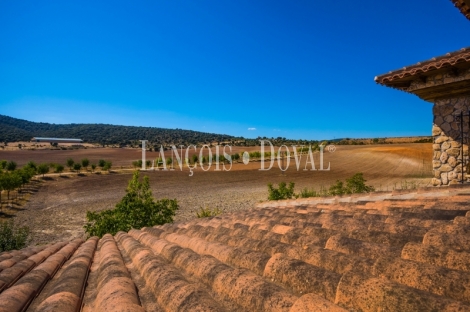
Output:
x=447 y=157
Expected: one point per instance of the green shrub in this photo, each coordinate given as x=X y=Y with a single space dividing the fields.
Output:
x=207 y=212
x=338 y=188
x=357 y=184
x=306 y=193
x=136 y=209
x=282 y=192
x=137 y=164
x=12 y=237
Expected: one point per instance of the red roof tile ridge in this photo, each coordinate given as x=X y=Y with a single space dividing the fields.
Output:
x=67 y=291
x=449 y=59
x=116 y=290
x=242 y=286
x=172 y=290
x=364 y=292
x=19 y=296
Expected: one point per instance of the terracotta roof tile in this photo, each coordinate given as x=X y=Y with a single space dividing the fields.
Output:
x=400 y=78
x=463 y=6
x=400 y=251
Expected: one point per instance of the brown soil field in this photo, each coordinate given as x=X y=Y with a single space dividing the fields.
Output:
x=57 y=210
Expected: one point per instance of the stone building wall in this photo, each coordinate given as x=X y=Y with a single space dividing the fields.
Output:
x=447 y=156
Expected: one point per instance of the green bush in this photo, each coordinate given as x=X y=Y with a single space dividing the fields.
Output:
x=207 y=212
x=137 y=164
x=338 y=188
x=306 y=193
x=357 y=184
x=137 y=209
x=282 y=192
x=12 y=237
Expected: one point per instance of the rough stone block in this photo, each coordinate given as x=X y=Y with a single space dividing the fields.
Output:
x=455 y=144
x=452 y=161
x=449 y=118
x=436 y=164
x=441 y=139
x=445 y=146
x=436 y=182
x=443 y=157
x=436 y=130
x=452 y=175
x=444 y=178
x=445 y=168
x=445 y=127
x=453 y=151
x=438 y=120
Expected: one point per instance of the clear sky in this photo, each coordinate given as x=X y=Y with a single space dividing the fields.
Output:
x=295 y=69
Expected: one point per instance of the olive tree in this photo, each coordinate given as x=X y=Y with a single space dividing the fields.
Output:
x=43 y=169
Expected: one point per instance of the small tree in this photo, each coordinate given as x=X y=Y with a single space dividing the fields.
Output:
x=70 y=163
x=11 y=165
x=26 y=174
x=31 y=164
x=136 y=209
x=107 y=166
x=93 y=167
x=194 y=158
x=3 y=164
x=85 y=163
x=59 y=169
x=169 y=161
x=43 y=169
x=101 y=163
x=11 y=181
x=77 y=167
x=148 y=163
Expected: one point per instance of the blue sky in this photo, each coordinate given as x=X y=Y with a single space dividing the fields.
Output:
x=296 y=69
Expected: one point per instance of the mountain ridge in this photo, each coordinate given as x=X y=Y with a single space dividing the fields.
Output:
x=15 y=129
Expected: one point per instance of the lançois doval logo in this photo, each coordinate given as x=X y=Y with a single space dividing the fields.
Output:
x=221 y=156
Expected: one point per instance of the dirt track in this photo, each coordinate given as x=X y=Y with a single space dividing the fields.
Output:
x=57 y=211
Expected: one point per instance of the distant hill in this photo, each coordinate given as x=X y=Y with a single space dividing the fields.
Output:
x=14 y=130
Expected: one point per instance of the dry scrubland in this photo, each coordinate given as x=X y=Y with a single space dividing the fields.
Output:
x=57 y=210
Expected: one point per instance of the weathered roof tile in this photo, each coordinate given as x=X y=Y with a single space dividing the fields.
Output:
x=402 y=251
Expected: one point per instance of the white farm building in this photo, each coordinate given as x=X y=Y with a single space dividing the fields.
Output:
x=56 y=140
